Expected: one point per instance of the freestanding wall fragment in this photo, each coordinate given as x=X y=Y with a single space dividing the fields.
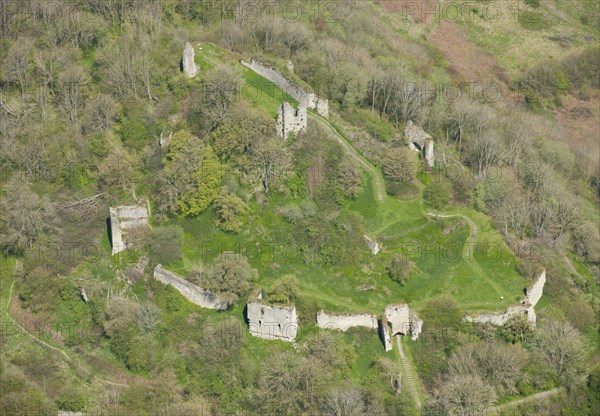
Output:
x=272 y=322
x=311 y=100
x=534 y=292
x=123 y=220
x=428 y=152
x=190 y=291
x=343 y=322
x=525 y=308
x=188 y=65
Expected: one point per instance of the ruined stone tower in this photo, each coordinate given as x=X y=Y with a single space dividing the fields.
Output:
x=188 y=65
x=290 y=120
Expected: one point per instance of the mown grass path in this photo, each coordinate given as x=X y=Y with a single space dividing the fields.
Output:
x=470 y=245
x=469 y=249
x=410 y=374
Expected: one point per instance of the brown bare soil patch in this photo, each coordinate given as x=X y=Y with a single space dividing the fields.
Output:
x=467 y=62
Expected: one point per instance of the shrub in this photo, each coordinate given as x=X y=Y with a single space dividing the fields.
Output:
x=285 y=289
x=400 y=164
x=437 y=195
x=230 y=212
x=399 y=268
x=230 y=276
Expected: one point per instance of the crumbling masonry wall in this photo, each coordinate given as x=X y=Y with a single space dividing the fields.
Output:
x=311 y=100
x=188 y=65
x=190 y=291
x=396 y=320
x=399 y=320
x=123 y=220
x=525 y=308
x=343 y=322
x=290 y=120
x=420 y=141
x=272 y=322
x=534 y=292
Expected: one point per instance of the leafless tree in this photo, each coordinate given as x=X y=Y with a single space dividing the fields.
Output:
x=128 y=65
x=566 y=214
x=100 y=113
x=296 y=37
x=50 y=63
x=517 y=137
x=25 y=215
x=561 y=347
x=485 y=149
x=513 y=215
x=72 y=91
x=221 y=88
x=270 y=159
x=17 y=64
x=344 y=402
x=465 y=394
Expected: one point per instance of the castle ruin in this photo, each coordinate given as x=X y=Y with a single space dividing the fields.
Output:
x=399 y=320
x=343 y=322
x=190 y=291
x=271 y=322
x=123 y=221
x=420 y=141
x=312 y=100
x=290 y=120
x=525 y=308
x=396 y=320
x=188 y=64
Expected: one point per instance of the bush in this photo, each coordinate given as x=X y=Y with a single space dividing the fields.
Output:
x=285 y=289
x=586 y=240
x=491 y=192
x=164 y=244
x=230 y=212
x=230 y=276
x=438 y=194
x=400 y=164
x=399 y=268
x=443 y=311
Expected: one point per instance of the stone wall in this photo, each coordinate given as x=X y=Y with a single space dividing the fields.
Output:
x=500 y=319
x=399 y=319
x=534 y=292
x=416 y=135
x=190 y=291
x=311 y=100
x=124 y=219
x=372 y=244
x=396 y=319
x=188 y=65
x=428 y=152
x=272 y=322
x=525 y=308
x=420 y=141
x=290 y=120
x=343 y=322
